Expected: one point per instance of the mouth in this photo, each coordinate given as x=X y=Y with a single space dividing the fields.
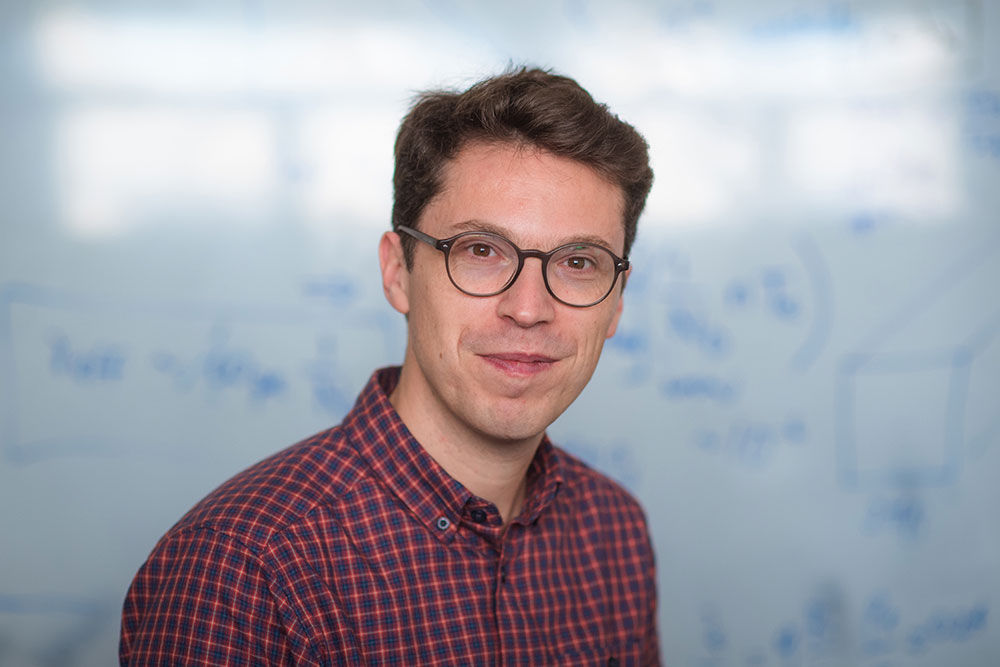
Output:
x=519 y=364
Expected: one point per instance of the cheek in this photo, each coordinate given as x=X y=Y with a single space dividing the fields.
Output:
x=593 y=350
x=438 y=323
x=599 y=329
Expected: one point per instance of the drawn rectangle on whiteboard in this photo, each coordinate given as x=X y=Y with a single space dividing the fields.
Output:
x=904 y=426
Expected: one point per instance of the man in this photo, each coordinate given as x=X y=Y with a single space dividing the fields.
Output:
x=437 y=525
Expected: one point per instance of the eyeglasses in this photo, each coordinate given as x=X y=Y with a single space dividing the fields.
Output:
x=486 y=264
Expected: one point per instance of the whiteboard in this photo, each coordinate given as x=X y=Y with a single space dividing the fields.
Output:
x=803 y=389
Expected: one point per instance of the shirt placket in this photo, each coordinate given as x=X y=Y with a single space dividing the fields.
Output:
x=506 y=605
x=500 y=619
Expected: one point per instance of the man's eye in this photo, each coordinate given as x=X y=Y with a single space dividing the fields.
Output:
x=481 y=250
x=579 y=263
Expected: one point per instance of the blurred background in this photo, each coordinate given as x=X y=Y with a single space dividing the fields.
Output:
x=803 y=391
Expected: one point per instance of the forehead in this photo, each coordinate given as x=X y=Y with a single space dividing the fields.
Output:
x=533 y=197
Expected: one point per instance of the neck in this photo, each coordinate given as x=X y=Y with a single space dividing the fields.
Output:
x=491 y=468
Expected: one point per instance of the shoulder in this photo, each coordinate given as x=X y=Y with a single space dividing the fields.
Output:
x=277 y=492
x=601 y=518
x=592 y=492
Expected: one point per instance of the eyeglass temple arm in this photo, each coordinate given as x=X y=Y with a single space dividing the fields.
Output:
x=420 y=236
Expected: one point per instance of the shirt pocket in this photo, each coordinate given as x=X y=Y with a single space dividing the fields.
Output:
x=627 y=654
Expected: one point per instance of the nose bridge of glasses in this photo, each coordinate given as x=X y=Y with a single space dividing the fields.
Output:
x=541 y=256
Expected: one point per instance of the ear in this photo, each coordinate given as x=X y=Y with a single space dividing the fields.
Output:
x=395 y=276
x=613 y=326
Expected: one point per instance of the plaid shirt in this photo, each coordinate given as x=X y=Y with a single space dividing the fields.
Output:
x=356 y=548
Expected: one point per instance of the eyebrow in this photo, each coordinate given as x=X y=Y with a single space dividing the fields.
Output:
x=483 y=226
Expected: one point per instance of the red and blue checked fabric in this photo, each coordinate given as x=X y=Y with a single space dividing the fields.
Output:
x=354 y=547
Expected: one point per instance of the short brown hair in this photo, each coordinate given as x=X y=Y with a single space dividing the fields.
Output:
x=531 y=107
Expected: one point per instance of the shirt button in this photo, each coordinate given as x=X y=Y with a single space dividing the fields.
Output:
x=612 y=662
x=478 y=515
x=443 y=523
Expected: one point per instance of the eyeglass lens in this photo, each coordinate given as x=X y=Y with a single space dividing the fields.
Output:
x=578 y=274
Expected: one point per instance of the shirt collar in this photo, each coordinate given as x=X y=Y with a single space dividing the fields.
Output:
x=408 y=471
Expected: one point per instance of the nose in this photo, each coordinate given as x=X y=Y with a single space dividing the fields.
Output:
x=527 y=302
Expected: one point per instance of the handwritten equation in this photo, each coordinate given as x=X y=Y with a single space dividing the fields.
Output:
x=829 y=631
x=119 y=371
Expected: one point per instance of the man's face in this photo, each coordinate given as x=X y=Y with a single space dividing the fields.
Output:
x=502 y=367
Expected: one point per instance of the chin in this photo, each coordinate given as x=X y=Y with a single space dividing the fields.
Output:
x=517 y=423
x=513 y=436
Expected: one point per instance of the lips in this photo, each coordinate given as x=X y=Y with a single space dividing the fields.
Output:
x=518 y=363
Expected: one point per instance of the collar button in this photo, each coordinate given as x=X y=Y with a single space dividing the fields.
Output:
x=479 y=515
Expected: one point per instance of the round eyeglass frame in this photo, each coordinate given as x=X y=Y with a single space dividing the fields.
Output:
x=445 y=245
